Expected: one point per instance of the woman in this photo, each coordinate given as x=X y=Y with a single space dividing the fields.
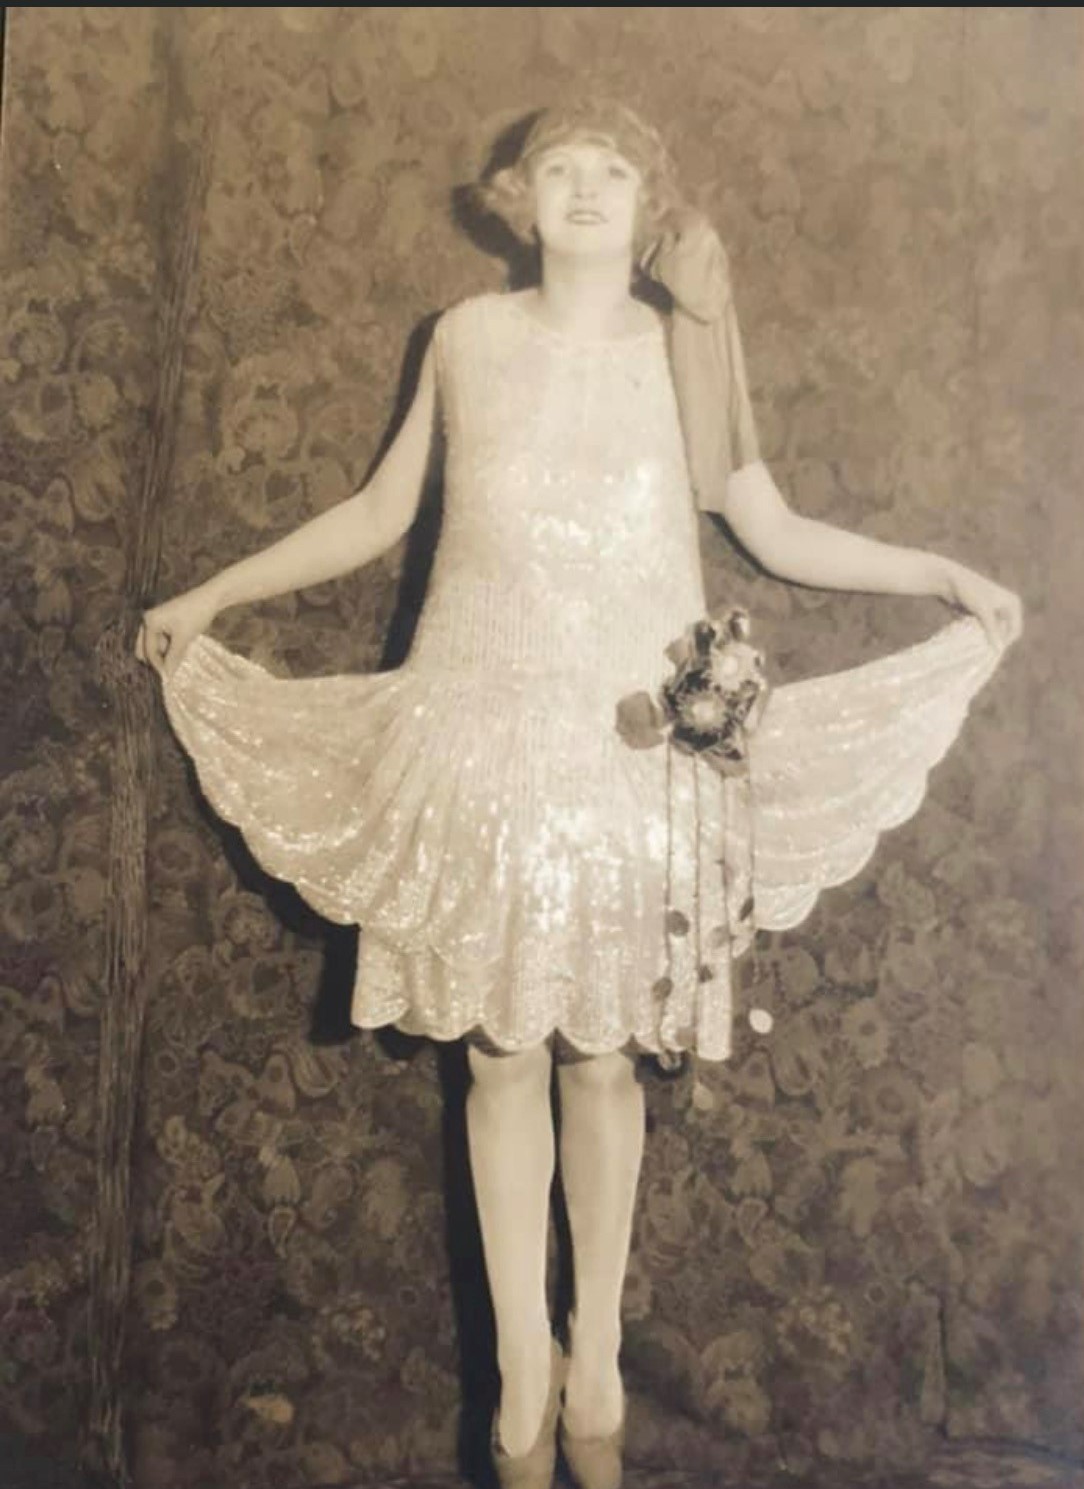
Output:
x=511 y=861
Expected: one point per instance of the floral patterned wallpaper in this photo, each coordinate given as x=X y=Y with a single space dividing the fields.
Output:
x=875 y=1240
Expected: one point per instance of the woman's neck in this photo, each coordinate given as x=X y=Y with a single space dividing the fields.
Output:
x=584 y=298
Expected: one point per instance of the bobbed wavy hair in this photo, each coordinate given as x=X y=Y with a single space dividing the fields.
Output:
x=507 y=193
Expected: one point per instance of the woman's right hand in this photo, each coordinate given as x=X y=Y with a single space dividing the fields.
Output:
x=167 y=631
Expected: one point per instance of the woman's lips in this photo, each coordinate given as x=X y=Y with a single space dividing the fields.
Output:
x=585 y=214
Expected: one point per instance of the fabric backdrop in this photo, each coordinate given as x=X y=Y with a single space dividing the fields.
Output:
x=875 y=1240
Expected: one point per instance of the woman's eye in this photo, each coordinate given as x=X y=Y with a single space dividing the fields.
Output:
x=619 y=172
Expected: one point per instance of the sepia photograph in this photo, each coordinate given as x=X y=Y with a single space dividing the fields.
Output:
x=542 y=915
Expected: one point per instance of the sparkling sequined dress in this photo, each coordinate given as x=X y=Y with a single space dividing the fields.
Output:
x=511 y=861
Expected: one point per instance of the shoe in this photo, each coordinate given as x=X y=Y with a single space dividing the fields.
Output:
x=595 y=1462
x=535 y=1468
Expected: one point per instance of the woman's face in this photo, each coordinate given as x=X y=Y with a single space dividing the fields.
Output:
x=585 y=197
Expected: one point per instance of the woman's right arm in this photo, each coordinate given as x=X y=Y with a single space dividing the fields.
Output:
x=345 y=537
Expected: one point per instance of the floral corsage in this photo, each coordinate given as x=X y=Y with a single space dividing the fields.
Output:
x=710 y=703
x=706 y=708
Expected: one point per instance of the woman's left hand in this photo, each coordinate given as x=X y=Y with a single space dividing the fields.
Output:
x=998 y=610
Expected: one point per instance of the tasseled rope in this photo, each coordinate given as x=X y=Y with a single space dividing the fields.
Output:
x=130 y=688
x=671 y=1063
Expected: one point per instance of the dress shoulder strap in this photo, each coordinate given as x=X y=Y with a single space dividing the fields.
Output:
x=461 y=338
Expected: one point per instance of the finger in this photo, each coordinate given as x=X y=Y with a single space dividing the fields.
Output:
x=166 y=650
x=999 y=613
x=140 y=653
x=146 y=644
x=987 y=617
x=152 y=650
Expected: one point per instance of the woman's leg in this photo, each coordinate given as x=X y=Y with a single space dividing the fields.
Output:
x=602 y=1143
x=510 y=1132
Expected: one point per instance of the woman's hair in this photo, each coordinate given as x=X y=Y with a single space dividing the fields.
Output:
x=507 y=194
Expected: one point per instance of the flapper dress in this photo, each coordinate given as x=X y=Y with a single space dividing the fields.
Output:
x=514 y=866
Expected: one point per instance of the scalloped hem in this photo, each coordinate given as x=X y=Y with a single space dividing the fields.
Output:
x=575 y=1044
x=596 y=1006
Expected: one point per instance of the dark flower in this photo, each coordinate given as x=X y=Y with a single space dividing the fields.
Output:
x=715 y=695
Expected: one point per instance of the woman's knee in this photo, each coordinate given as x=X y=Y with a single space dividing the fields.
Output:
x=600 y=1075
x=517 y=1070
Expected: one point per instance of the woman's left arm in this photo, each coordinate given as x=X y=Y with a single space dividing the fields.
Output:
x=807 y=551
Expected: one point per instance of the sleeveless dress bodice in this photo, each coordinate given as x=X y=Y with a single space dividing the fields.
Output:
x=569 y=542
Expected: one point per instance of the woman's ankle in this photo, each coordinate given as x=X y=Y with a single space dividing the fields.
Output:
x=594 y=1340
x=525 y=1385
x=594 y=1401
